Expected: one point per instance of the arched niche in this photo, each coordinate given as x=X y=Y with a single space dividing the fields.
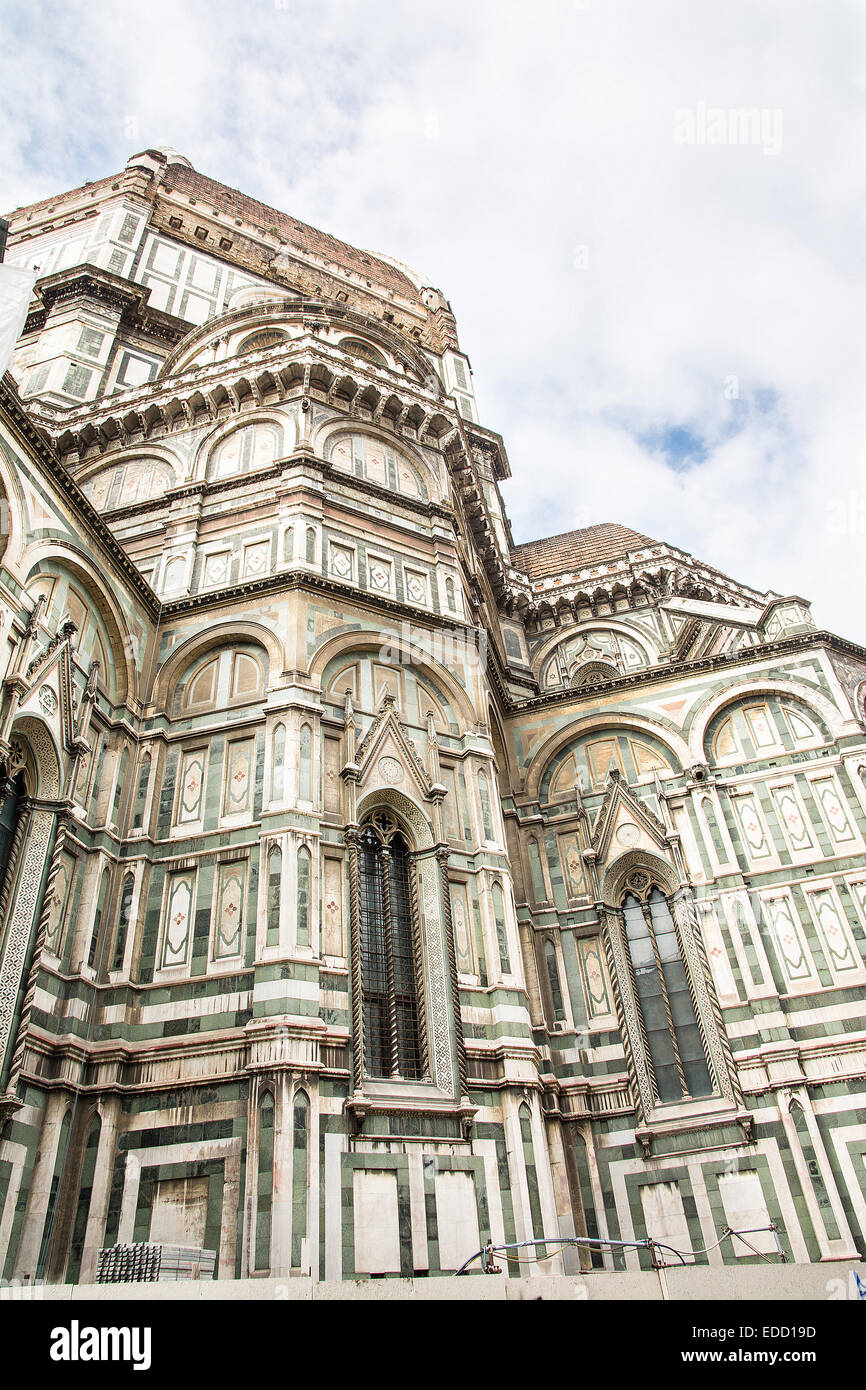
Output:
x=374 y=456
x=71 y=589
x=706 y=722
x=246 y=447
x=593 y=650
x=416 y=689
x=127 y=482
x=229 y=674
x=599 y=726
x=583 y=763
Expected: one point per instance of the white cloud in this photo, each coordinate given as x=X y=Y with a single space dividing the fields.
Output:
x=608 y=281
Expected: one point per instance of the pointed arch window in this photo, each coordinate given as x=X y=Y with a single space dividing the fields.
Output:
x=553 y=981
x=676 y=1048
x=501 y=932
x=123 y=921
x=300 y=1181
x=265 y=1183
x=97 y=920
x=484 y=796
x=275 y=878
x=141 y=792
x=305 y=790
x=304 y=885
x=389 y=954
x=278 y=780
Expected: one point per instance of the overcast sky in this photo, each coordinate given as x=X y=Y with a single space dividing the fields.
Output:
x=662 y=304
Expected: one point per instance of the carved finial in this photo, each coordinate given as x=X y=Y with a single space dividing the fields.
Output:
x=32 y=627
x=350 y=712
x=431 y=728
x=92 y=677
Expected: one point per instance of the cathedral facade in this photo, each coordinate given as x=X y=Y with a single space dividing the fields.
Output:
x=372 y=887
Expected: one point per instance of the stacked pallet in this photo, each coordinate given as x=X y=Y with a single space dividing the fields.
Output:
x=144 y=1261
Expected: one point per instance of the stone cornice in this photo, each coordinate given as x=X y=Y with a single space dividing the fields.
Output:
x=651 y=674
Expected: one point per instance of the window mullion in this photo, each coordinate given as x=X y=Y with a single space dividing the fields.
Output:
x=667 y=1003
x=385 y=861
x=421 y=1014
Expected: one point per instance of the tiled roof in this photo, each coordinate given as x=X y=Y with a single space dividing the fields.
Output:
x=577 y=550
x=299 y=234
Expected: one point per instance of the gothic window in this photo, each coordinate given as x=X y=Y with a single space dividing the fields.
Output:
x=126 y=893
x=82 y=1208
x=288 y=544
x=304 y=883
x=253 y=446
x=305 y=787
x=673 y=1037
x=389 y=954
x=501 y=934
x=484 y=795
x=539 y=890
x=97 y=920
x=232 y=677
x=300 y=1182
x=553 y=981
x=141 y=792
x=275 y=876
x=121 y=785
x=311 y=546
x=265 y=1183
x=278 y=780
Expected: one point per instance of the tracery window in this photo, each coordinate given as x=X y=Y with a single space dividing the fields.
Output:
x=390 y=965
x=674 y=1040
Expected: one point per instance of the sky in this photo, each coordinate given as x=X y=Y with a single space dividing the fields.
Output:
x=648 y=216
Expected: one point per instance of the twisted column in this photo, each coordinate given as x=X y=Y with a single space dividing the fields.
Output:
x=442 y=854
x=352 y=839
x=41 y=933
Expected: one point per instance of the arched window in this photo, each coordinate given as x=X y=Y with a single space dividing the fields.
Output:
x=305 y=784
x=449 y=594
x=300 y=1181
x=275 y=876
x=484 y=795
x=553 y=981
x=676 y=1047
x=538 y=889
x=304 y=881
x=8 y=821
x=123 y=921
x=97 y=920
x=389 y=954
x=278 y=782
x=265 y=1183
x=141 y=792
x=51 y=1211
x=525 y=1119
x=82 y=1209
x=121 y=785
x=816 y=1177
x=288 y=544
x=501 y=936
x=311 y=546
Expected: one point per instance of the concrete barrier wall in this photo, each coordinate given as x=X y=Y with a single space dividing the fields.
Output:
x=815 y=1282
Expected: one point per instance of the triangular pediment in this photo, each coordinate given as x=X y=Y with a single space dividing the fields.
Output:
x=387 y=756
x=625 y=823
x=49 y=692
